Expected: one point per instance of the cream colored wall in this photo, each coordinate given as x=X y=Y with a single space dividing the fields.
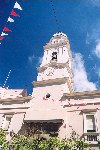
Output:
x=56 y=91
x=74 y=123
x=44 y=110
x=57 y=73
x=63 y=128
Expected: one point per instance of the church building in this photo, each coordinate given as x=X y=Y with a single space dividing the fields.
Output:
x=54 y=107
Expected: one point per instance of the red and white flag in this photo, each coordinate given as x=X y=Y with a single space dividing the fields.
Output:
x=3 y=34
x=10 y=19
x=13 y=13
x=17 y=6
x=6 y=29
x=1 y=38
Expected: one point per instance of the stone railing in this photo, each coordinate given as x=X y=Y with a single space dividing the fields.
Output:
x=91 y=138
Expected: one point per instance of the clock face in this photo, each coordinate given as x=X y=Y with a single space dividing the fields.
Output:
x=49 y=71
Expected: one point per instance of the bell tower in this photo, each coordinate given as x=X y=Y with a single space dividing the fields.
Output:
x=55 y=73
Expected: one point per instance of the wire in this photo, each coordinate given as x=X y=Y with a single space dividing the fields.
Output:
x=6 y=79
x=54 y=11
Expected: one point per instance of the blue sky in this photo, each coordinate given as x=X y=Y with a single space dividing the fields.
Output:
x=22 y=50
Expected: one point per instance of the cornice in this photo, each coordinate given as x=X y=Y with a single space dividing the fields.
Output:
x=23 y=107
x=53 y=64
x=49 y=82
x=86 y=94
x=89 y=110
x=15 y=100
x=49 y=120
x=49 y=45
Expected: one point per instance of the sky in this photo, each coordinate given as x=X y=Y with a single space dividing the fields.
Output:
x=22 y=50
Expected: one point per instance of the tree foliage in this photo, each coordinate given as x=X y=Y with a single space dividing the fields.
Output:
x=22 y=142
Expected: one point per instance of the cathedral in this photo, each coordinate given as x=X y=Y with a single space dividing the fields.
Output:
x=54 y=108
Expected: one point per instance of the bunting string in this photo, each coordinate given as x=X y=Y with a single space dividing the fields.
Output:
x=54 y=11
x=10 y=19
x=7 y=78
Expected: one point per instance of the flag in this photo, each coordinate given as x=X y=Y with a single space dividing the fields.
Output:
x=17 y=6
x=6 y=29
x=13 y=13
x=3 y=34
x=10 y=19
x=1 y=38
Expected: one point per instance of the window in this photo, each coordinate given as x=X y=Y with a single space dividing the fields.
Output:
x=90 y=121
x=90 y=126
x=6 y=122
x=54 y=56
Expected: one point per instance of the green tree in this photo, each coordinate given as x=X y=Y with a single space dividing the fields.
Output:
x=22 y=142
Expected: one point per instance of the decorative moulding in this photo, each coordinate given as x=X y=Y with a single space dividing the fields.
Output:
x=53 y=64
x=50 y=81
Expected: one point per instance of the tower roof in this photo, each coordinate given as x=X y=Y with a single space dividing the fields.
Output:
x=61 y=34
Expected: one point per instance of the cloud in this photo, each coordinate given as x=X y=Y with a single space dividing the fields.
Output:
x=94 y=34
x=31 y=58
x=98 y=72
x=93 y=38
x=97 y=49
x=81 y=82
x=95 y=2
x=40 y=60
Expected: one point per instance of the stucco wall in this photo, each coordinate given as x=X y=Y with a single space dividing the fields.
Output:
x=56 y=91
x=74 y=123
